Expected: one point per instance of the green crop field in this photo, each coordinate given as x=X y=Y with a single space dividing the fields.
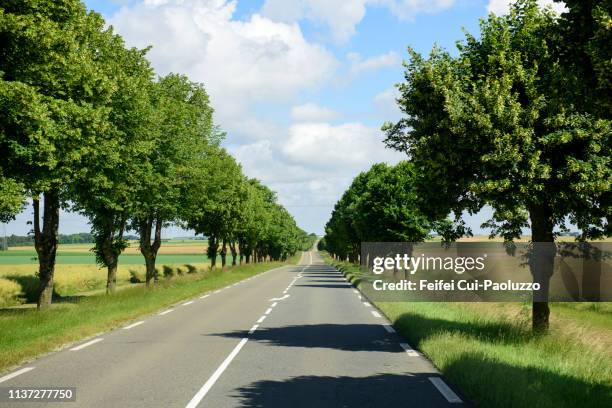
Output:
x=24 y=257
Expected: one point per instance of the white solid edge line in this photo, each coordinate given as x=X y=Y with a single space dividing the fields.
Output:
x=268 y=311
x=356 y=291
x=367 y=304
x=204 y=297
x=165 y=312
x=213 y=378
x=15 y=374
x=375 y=313
x=409 y=350
x=188 y=303
x=255 y=326
x=89 y=343
x=445 y=390
x=274 y=304
x=261 y=319
x=133 y=325
x=389 y=328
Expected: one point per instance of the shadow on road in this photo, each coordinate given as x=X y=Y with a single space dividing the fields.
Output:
x=381 y=390
x=321 y=285
x=347 y=337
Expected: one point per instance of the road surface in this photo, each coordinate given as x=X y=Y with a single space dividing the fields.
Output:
x=296 y=336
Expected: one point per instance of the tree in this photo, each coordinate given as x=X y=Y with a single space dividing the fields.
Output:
x=386 y=211
x=54 y=105
x=495 y=126
x=11 y=198
x=107 y=194
x=180 y=136
x=381 y=205
x=215 y=207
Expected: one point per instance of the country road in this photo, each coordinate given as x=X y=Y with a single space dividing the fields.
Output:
x=296 y=336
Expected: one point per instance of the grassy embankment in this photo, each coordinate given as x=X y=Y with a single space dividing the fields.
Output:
x=26 y=333
x=488 y=351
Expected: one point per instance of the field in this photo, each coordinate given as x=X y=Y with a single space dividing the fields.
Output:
x=480 y=346
x=77 y=272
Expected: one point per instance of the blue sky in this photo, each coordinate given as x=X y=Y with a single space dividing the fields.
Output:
x=301 y=86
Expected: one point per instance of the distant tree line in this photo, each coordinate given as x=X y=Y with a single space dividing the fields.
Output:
x=87 y=126
x=519 y=119
x=78 y=238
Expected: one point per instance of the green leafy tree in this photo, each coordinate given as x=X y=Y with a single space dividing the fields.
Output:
x=381 y=205
x=180 y=135
x=216 y=203
x=55 y=94
x=107 y=194
x=496 y=126
x=12 y=198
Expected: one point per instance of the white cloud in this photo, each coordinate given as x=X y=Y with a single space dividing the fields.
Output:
x=344 y=147
x=313 y=165
x=311 y=112
x=500 y=7
x=342 y=16
x=240 y=62
x=257 y=62
x=360 y=66
x=385 y=103
x=407 y=9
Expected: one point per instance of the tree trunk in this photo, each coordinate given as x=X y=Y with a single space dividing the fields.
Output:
x=149 y=249
x=111 y=278
x=232 y=246
x=212 y=251
x=542 y=260
x=223 y=254
x=109 y=253
x=45 y=242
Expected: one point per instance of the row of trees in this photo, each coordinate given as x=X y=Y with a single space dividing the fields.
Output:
x=519 y=120
x=381 y=205
x=78 y=238
x=85 y=125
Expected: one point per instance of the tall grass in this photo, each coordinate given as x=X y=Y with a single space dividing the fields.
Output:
x=71 y=280
x=489 y=352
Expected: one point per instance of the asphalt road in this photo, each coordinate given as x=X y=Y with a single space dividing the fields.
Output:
x=296 y=336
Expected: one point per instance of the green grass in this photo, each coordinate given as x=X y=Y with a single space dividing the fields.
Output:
x=24 y=257
x=26 y=333
x=488 y=351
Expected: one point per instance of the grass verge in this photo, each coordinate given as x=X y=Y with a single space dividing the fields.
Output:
x=26 y=333
x=488 y=351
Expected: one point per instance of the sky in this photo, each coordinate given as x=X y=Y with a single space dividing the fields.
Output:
x=302 y=87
